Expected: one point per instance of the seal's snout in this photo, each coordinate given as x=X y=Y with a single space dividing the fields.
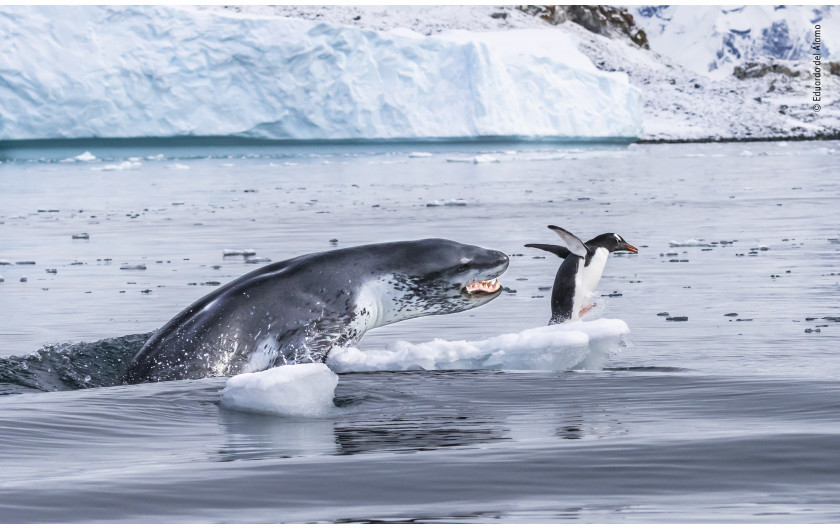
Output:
x=495 y=262
x=500 y=259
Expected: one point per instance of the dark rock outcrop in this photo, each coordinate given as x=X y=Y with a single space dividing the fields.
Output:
x=752 y=69
x=608 y=21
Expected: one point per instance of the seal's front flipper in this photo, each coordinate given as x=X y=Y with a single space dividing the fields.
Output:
x=575 y=245
x=557 y=250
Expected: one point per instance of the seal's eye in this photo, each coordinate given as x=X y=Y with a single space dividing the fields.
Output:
x=463 y=268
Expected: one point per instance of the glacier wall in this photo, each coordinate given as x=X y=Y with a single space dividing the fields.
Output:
x=123 y=72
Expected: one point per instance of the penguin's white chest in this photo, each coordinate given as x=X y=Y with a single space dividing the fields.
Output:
x=587 y=278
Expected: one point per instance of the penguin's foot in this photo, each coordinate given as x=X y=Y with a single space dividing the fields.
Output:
x=585 y=310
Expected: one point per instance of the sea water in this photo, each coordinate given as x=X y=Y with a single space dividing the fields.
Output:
x=720 y=403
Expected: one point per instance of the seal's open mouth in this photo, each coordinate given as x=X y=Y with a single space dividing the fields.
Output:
x=483 y=287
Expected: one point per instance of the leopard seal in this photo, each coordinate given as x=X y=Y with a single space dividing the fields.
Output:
x=297 y=310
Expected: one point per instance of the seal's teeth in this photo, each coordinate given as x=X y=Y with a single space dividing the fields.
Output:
x=489 y=286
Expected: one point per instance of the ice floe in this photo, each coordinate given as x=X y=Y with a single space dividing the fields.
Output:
x=573 y=345
x=292 y=390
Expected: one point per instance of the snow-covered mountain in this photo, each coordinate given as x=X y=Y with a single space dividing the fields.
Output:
x=76 y=72
x=712 y=40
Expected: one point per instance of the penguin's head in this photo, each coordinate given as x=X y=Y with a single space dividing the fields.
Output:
x=612 y=242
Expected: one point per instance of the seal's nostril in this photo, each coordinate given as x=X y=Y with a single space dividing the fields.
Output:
x=501 y=258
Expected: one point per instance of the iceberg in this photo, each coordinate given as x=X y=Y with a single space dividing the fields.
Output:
x=155 y=71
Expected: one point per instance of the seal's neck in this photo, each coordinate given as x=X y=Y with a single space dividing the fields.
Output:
x=385 y=300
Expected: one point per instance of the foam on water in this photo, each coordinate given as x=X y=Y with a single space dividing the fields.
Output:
x=573 y=345
x=292 y=390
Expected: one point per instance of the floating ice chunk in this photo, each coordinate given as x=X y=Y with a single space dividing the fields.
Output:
x=122 y=166
x=87 y=156
x=291 y=390
x=555 y=348
x=478 y=159
x=83 y=235
x=450 y=202
x=177 y=166
x=419 y=154
x=244 y=252
x=688 y=243
x=5 y=262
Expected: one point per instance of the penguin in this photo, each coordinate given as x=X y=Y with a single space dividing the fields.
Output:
x=581 y=270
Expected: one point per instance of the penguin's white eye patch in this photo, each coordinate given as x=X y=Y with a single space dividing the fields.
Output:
x=465 y=260
x=617 y=237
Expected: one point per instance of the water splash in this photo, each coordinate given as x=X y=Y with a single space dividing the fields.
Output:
x=71 y=366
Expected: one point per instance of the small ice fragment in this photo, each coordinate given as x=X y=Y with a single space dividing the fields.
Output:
x=677 y=319
x=84 y=157
x=292 y=390
x=83 y=235
x=419 y=154
x=244 y=252
x=51 y=271
x=122 y=166
x=257 y=260
x=450 y=202
x=478 y=159
x=177 y=166
x=5 y=262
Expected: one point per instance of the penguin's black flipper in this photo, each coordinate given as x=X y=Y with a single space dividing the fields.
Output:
x=557 y=250
x=575 y=245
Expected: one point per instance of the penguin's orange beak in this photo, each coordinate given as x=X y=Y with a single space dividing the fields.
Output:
x=632 y=249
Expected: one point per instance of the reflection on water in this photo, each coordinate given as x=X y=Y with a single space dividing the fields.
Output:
x=427 y=434
x=259 y=437
x=383 y=418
